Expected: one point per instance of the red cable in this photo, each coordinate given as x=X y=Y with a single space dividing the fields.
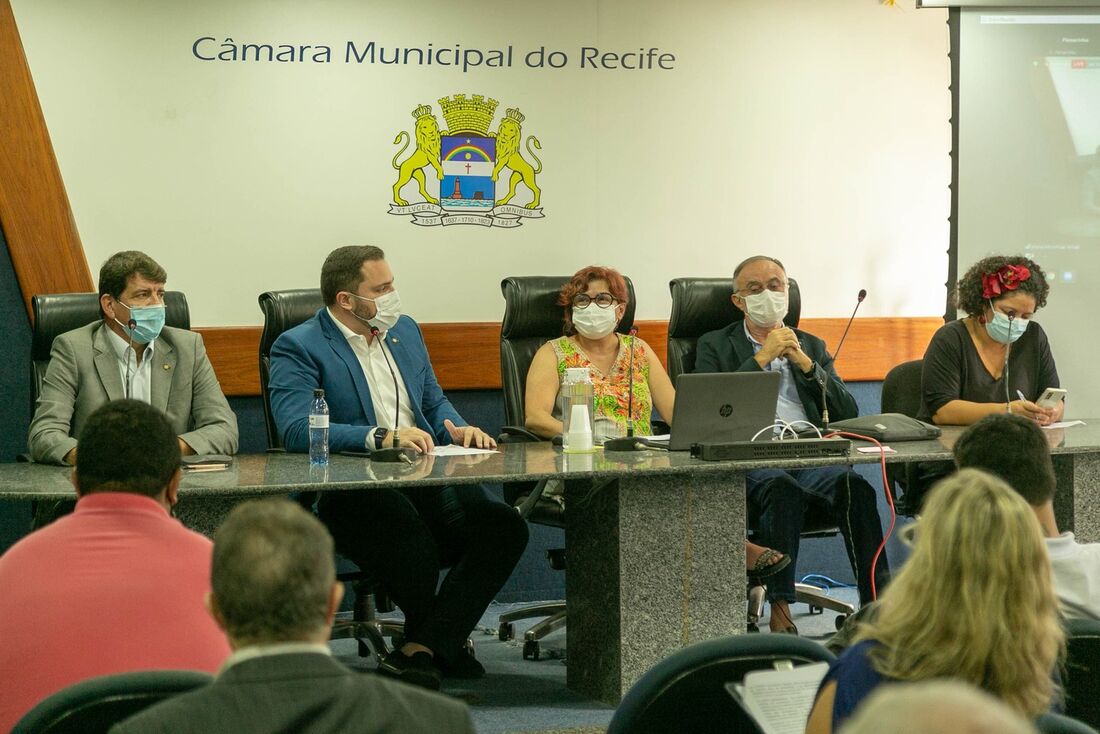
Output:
x=889 y=502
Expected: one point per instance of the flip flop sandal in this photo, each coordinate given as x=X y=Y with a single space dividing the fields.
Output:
x=769 y=563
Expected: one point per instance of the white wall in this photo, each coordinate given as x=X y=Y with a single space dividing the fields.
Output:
x=814 y=131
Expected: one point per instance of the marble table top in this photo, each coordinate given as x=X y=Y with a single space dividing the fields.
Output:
x=278 y=473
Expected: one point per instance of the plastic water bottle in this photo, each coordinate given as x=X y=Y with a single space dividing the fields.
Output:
x=578 y=404
x=318 y=429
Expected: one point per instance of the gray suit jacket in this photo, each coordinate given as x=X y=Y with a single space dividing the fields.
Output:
x=301 y=692
x=84 y=374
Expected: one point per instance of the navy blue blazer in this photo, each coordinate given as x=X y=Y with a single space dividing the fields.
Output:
x=316 y=354
x=729 y=350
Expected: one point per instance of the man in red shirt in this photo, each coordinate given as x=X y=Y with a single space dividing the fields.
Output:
x=118 y=585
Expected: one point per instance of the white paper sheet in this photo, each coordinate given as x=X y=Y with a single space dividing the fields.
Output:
x=1065 y=424
x=452 y=450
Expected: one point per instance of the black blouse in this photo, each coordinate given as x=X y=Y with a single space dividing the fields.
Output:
x=953 y=369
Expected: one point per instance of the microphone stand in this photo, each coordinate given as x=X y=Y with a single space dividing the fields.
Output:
x=629 y=443
x=395 y=453
x=825 y=382
x=1008 y=350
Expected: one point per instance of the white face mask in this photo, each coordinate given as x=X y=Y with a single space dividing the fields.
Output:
x=594 y=322
x=387 y=310
x=767 y=308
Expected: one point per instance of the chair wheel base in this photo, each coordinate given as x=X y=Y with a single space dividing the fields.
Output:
x=840 y=619
x=506 y=632
x=531 y=650
x=816 y=609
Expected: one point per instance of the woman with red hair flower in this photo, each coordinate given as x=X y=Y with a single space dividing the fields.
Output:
x=995 y=360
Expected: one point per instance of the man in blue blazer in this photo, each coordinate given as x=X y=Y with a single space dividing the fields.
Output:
x=382 y=392
x=780 y=498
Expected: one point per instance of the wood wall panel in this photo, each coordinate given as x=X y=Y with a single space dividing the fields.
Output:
x=467 y=356
x=34 y=208
x=234 y=353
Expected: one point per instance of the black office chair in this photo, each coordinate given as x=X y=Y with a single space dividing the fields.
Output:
x=95 y=705
x=686 y=692
x=702 y=305
x=901 y=393
x=55 y=314
x=284 y=310
x=1057 y=724
x=1081 y=676
x=533 y=317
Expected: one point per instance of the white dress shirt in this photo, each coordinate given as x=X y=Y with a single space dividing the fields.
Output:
x=251 y=652
x=387 y=401
x=1076 y=569
x=140 y=375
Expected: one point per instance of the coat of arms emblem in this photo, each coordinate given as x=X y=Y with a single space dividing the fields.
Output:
x=474 y=174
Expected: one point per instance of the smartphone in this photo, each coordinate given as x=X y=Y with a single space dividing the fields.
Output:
x=1051 y=397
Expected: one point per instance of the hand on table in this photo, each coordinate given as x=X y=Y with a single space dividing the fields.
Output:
x=412 y=438
x=467 y=436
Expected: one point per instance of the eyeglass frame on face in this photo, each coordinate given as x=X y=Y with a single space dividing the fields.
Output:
x=589 y=300
x=755 y=288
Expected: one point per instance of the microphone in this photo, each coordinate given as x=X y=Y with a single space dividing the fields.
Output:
x=131 y=324
x=629 y=443
x=396 y=453
x=1008 y=350
x=825 y=383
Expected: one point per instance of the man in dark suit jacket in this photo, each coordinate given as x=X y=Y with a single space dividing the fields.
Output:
x=381 y=390
x=274 y=592
x=780 y=498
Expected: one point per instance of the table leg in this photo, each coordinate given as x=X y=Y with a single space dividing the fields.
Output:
x=654 y=563
x=1075 y=506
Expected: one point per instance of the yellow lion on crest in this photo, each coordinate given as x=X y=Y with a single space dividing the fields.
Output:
x=428 y=146
x=509 y=135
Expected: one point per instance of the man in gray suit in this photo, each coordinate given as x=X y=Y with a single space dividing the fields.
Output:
x=274 y=592
x=131 y=353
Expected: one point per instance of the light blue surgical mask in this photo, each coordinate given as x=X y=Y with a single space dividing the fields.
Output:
x=1005 y=330
x=148 y=323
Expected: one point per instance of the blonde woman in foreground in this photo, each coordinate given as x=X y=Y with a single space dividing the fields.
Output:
x=947 y=615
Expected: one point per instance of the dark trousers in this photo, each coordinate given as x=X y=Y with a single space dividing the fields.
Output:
x=403 y=538
x=778 y=502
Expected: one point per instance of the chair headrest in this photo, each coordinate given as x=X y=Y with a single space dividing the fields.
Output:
x=531 y=307
x=701 y=305
x=284 y=310
x=57 y=313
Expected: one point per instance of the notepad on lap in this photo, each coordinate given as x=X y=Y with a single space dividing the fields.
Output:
x=779 y=701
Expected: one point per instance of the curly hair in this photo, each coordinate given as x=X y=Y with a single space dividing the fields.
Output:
x=616 y=285
x=945 y=615
x=969 y=298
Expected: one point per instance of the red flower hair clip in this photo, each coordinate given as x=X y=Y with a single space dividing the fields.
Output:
x=1008 y=278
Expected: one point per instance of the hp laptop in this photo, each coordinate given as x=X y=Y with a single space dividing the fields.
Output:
x=721 y=407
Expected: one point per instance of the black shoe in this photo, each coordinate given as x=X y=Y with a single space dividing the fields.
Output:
x=416 y=669
x=463 y=666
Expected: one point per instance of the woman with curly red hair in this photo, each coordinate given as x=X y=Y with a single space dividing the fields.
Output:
x=994 y=360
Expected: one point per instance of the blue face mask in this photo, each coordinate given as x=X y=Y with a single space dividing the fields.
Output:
x=148 y=320
x=1005 y=330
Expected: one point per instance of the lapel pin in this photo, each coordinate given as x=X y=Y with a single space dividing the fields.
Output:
x=166 y=367
x=394 y=340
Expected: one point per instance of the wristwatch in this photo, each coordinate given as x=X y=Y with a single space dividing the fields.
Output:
x=380 y=434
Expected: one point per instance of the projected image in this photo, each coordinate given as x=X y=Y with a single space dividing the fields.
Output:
x=1030 y=137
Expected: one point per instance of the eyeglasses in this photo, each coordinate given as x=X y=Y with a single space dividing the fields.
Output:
x=754 y=289
x=603 y=300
